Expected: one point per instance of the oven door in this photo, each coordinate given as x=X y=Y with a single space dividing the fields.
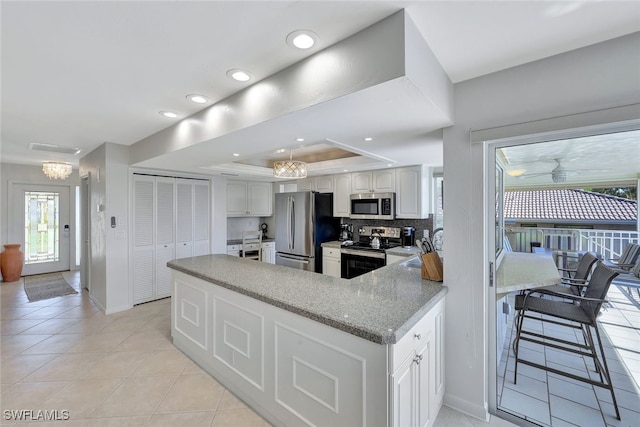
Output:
x=355 y=263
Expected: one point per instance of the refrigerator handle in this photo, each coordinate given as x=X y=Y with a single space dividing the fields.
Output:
x=289 y=222
x=293 y=223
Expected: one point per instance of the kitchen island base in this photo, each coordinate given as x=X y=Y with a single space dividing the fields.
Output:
x=296 y=371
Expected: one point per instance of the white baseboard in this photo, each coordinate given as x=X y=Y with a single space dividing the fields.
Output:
x=97 y=303
x=480 y=412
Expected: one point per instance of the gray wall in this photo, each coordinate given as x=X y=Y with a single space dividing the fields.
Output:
x=585 y=80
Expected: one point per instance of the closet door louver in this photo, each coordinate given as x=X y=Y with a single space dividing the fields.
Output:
x=165 y=231
x=184 y=224
x=171 y=220
x=144 y=248
x=200 y=218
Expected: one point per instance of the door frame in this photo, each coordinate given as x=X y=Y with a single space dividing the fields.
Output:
x=508 y=136
x=85 y=235
x=14 y=212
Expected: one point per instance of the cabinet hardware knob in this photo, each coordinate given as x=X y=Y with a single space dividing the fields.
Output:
x=418 y=336
x=416 y=360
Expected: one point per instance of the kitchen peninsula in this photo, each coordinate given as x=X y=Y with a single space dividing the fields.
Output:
x=307 y=349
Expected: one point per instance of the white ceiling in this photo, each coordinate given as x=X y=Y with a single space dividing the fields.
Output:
x=78 y=74
x=587 y=161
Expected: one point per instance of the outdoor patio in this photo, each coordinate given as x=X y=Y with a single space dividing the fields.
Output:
x=548 y=399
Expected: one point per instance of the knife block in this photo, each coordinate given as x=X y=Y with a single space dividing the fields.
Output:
x=432 y=267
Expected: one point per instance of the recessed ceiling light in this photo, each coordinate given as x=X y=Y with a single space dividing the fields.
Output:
x=346 y=170
x=198 y=99
x=239 y=75
x=302 y=39
x=368 y=138
x=169 y=114
x=300 y=139
x=281 y=150
x=236 y=155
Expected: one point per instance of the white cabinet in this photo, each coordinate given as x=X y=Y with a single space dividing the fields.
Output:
x=269 y=252
x=324 y=184
x=331 y=265
x=413 y=186
x=306 y=184
x=418 y=372
x=323 y=376
x=380 y=181
x=248 y=198
x=341 y=194
x=234 y=250
x=321 y=184
x=171 y=220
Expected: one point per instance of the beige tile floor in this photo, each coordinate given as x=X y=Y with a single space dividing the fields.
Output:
x=116 y=370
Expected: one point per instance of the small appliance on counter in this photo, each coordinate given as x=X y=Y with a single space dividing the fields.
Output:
x=408 y=237
x=264 y=227
x=346 y=232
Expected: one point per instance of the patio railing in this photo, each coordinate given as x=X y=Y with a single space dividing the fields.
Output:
x=608 y=243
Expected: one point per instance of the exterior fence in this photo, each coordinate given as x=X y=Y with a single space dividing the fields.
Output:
x=608 y=243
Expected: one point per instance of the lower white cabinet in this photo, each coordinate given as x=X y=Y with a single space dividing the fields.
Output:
x=294 y=371
x=269 y=252
x=331 y=264
x=234 y=250
x=418 y=372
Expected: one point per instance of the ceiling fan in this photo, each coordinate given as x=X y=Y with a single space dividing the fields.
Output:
x=559 y=174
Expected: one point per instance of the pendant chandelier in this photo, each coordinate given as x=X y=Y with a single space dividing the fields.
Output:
x=290 y=168
x=56 y=170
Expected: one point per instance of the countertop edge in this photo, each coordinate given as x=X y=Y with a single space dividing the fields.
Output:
x=360 y=331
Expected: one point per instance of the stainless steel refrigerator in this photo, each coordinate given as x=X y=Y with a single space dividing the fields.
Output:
x=304 y=220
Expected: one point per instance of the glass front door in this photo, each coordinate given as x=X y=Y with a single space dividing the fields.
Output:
x=40 y=223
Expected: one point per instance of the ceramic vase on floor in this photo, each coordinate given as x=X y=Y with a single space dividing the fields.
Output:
x=11 y=261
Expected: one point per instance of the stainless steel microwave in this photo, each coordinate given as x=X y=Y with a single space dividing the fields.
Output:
x=373 y=206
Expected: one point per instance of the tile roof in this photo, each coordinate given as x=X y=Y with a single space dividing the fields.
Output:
x=577 y=205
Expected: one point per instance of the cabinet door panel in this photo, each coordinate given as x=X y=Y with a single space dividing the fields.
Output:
x=424 y=380
x=324 y=184
x=259 y=198
x=318 y=383
x=384 y=180
x=361 y=182
x=238 y=336
x=341 y=194
x=404 y=395
x=236 y=198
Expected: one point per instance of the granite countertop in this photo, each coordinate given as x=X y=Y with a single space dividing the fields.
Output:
x=239 y=241
x=336 y=244
x=522 y=270
x=380 y=306
x=401 y=251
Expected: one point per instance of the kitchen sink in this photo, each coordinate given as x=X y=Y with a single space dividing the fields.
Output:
x=414 y=262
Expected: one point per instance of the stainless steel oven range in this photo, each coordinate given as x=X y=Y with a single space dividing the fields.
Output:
x=368 y=253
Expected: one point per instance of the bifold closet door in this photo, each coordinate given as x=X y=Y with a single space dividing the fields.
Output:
x=165 y=234
x=143 y=240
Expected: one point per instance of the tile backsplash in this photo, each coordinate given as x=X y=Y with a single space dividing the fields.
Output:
x=235 y=226
x=419 y=224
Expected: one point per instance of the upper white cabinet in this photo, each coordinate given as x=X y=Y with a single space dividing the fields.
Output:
x=378 y=181
x=321 y=184
x=324 y=184
x=341 y=194
x=249 y=198
x=412 y=189
x=306 y=184
x=171 y=220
